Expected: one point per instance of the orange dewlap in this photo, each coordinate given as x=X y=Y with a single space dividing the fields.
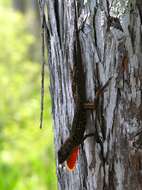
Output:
x=71 y=161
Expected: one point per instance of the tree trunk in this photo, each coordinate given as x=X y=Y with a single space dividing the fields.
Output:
x=111 y=47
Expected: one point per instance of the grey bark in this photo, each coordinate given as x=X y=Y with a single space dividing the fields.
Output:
x=106 y=45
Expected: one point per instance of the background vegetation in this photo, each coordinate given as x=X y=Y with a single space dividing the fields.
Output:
x=26 y=152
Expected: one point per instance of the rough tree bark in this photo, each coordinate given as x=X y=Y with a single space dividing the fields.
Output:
x=114 y=49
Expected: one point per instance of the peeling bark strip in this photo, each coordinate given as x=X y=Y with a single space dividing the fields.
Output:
x=44 y=32
x=110 y=46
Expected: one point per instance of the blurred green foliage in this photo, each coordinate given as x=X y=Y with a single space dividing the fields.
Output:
x=26 y=152
x=5 y=3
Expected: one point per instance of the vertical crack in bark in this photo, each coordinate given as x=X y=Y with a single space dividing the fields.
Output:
x=56 y=8
x=139 y=6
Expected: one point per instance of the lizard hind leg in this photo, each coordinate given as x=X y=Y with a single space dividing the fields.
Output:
x=90 y=106
x=93 y=105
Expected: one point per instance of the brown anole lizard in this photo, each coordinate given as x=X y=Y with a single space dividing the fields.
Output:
x=68 y=151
